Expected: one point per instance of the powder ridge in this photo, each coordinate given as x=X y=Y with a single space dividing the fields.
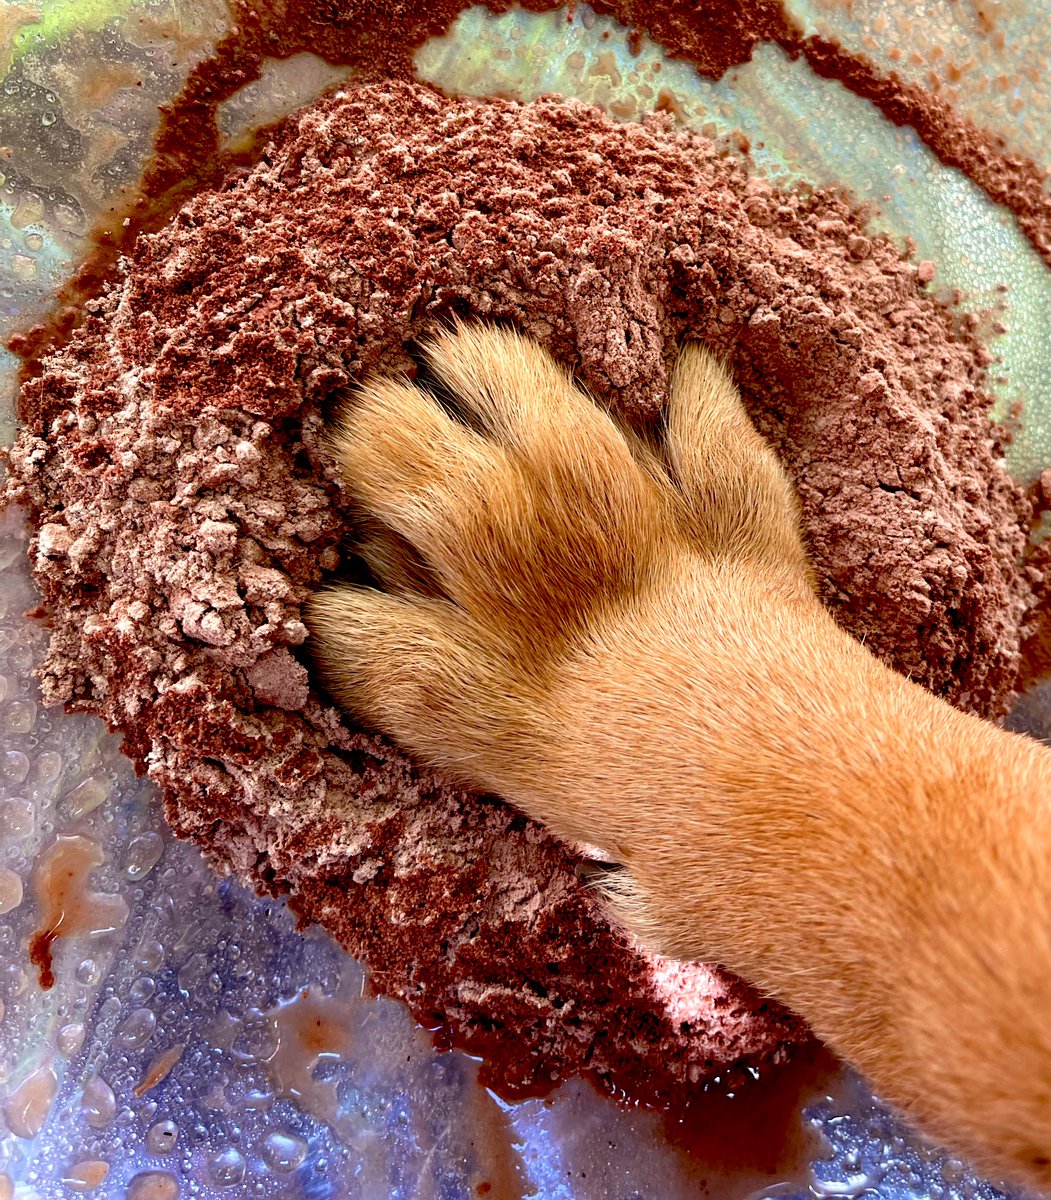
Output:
x=184 y=509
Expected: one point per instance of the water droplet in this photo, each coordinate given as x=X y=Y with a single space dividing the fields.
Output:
x=24 y=268
x=136 y=1029
x=69 y=1039
x=10 y=890
x=34 y=241
x=20 y=715
x=16 y=818
x=153 y=1185
x=143 y=854
x=27 y=1107
x=14 y=766
x=48 y=766
x=87 y=972
x=227 y=1167
x=68 y=217
x=87 y=796
x=142 y=989
x=257 y=1040
x=85 y=1176
x=162 y=1137
x=98 y=1103
x=283 y=1152
x=149 y=956
x=952 y=1171
x=20 y=659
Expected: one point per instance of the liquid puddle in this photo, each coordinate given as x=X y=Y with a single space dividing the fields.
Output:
x=309 y=1028
x=68 y=906
x=755 y=1137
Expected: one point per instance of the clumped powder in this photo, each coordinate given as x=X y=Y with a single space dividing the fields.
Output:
x=183 y=512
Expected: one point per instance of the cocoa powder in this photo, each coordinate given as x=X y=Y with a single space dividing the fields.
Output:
x=378 y=41
x=183 y=511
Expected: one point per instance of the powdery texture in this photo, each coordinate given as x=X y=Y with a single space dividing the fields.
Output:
x=378 y=41
x=183 y=513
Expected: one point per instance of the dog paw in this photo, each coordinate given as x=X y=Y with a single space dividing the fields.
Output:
x=506 y=516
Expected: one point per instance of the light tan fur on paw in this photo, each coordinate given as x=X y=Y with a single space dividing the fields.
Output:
x=629 y=647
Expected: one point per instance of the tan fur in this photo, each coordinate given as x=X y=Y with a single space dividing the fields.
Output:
x=633 y=652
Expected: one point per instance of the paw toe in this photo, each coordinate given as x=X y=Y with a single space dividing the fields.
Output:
x=739 y=495
x=411 y=469
x=518 y=394
x=376 y=652
x=414 y=668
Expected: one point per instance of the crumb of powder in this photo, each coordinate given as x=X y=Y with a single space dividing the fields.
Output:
x=183 y=513
x=277 y=679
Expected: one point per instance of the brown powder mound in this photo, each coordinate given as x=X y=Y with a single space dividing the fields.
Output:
x=183 y=513
x=378 y=41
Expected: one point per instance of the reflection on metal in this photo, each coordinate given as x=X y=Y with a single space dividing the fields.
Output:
x=987 y=58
